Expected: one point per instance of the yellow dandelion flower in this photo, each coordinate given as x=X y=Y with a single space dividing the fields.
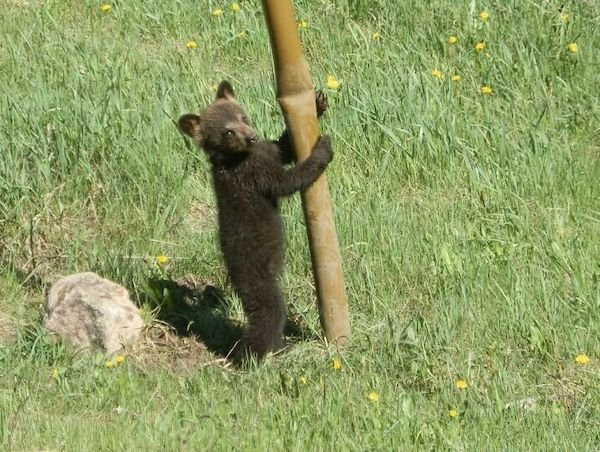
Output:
x=106 y=8
x=235 y=7
x=480 y=46
x=109 y=364
x=486 y=90
x=456 y=78
x=461 y=384
x=582 y=359
x=302 y=380
x=161 y=259
x=573 y=47
x=120 y=359
x=54 y=374
x=437 y=73
x=240 y=35
x=302 y=24
x=373 y=396
x=217 y=12
x=452 y=40
x=332 y=82
x=191 y=44
x=564 y=17
x=336 y=364
x=452 y=413
x=484 y=16
x=375 y=36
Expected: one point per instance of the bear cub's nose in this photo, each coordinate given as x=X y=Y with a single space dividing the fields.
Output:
x=252 y=138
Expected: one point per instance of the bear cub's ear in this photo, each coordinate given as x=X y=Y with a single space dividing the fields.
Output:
x=190 y=124
x=225 y=91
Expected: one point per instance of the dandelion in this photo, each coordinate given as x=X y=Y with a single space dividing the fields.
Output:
x=452 y=412
x=485 y=90
x=461 y=384
x=54 y=374
x=582 y=359
x=235 y=7
x=564 y=17
x=332 y=82
x=484 y=16
x=106 y=8
x=217 y=12
x=191 y=44
x=375 y=36
x=455 y=78
x=452 y=40
x=109 y=364
x=480 y=46
x=302 y=24
x=373 y=396
x=437 y=73
x=302 y=380
x=573 y=47
x=336 y=364
x=161 y=259
x=120 y=359
x=240 y=35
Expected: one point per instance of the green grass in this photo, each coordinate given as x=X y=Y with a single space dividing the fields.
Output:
x=469 y=226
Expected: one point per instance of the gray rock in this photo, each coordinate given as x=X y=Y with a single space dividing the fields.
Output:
x=90 y=311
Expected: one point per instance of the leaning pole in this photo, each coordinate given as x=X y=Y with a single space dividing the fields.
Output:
x=296 y=96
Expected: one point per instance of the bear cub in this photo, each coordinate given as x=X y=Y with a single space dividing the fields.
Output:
x=249 y=176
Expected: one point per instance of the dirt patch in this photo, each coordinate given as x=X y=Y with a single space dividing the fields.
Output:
x=199 y=216
x=193 y=315
x=163 y=348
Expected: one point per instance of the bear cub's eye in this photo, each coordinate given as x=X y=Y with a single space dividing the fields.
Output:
x=228 y=133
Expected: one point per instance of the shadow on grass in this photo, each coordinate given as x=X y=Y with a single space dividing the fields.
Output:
x=196 y=309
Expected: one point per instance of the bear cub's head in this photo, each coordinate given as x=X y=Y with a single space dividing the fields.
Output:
x=222 y=128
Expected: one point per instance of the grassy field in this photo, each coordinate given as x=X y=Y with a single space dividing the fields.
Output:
x=466 y=186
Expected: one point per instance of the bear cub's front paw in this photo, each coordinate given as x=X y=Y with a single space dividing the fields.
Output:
x=321 y=101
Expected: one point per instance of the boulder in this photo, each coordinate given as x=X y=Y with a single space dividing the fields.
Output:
x=90 y=311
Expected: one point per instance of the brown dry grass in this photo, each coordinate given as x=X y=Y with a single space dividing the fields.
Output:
x=162 y=348
x=199 y=216
x=7 y=329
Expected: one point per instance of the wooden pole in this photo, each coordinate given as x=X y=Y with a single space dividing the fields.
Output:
x=296 y=96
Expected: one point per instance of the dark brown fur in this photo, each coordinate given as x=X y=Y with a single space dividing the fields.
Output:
x=249 y=176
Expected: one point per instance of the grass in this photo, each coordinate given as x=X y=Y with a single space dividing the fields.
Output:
x=468 y=224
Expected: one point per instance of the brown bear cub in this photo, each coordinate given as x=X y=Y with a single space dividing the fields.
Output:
x=249 y=175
